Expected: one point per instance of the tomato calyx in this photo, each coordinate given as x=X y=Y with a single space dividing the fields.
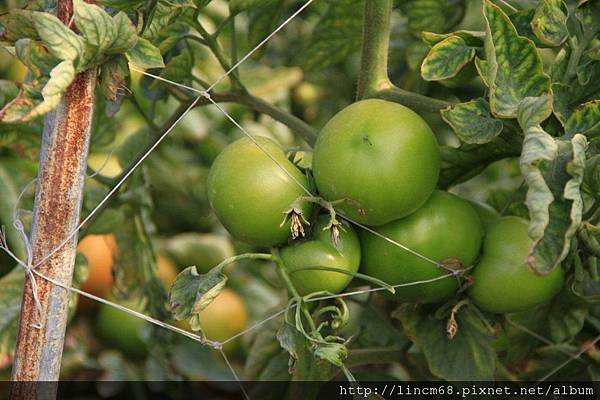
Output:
x=297 y=218
x=295 y=214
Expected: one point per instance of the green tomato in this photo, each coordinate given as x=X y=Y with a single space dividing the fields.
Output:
x=250 y=192
x=321 y=251
x=445 y=228
x=204 y=250
x=503 y=283
x=487 y=214
x=122 y=330
x=381 y=157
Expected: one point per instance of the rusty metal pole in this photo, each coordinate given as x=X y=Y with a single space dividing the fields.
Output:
x=58 y=198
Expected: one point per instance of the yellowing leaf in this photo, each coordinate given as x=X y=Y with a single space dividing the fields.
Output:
x=58 y=39
x=446 y=59
x=472 y=121
x=514 y=66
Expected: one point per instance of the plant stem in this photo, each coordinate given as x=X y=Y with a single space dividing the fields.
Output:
x=247 y=256
x=257 y=104
x=373 y=79
x=59 y=193
x=216 y=49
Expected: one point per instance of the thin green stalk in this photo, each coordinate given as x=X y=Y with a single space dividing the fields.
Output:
x=247 y=256
x=373 y=79
x=217 y=50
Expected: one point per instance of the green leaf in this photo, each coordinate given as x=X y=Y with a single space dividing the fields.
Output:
x=336 y=36
x=471 y=38
x=62 y=42
x=97 y=27
x=33 y=102
x=584 y=120
x=145 y=55
x=178 y=68
x=8 y=91
x=514 y=66
x=588 y=14
x=262 y=21
x=60 y=78
x=566 y=316
x=430 y=15
x=163 y=15
x=17 y=24
x=29 y=108
x=591 y=178
x=534 y=110
x=446 y=59
x=19 y=109
x=126 y=35
x=237 y=6
x=287 y=336
x=334 y=353
x=130 y=148
x=11 y=291
x=192 y=292
x=521 y=20
x=469 y=356
x=553 y=171
x=35 y=57
x=549 y=23
x=483 y=70
x=472 y=121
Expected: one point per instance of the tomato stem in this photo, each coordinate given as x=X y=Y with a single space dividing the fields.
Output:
x=373 y=79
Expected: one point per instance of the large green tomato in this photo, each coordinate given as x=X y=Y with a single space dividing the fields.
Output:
x=122 y=330
x=204 y=250
x=321 y=251
x=503 y=282
x=381 y=157
x=445 y=228
x=250 y=191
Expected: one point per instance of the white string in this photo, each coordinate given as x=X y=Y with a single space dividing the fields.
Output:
x=235 y=375
x=265 y=40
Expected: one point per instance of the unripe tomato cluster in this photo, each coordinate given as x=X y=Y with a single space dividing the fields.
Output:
x=378 y=162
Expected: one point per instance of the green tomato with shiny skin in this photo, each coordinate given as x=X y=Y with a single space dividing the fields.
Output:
x=446 y=229
x=322 y=251
x=122 y=330
x=503 y=282
x=381 y=158
x=251 y=191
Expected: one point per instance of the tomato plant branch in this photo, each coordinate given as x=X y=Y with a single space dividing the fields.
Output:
x=217 y=50
x=374 y=81
x=59 y=193
x=257 y=104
